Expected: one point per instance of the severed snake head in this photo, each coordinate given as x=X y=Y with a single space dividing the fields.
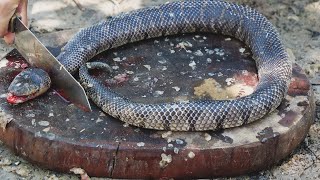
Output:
x=27 y=85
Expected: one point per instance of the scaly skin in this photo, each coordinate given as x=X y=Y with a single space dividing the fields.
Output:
x=243 y=23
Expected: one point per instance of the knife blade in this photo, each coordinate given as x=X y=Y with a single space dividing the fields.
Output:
x=37 y=55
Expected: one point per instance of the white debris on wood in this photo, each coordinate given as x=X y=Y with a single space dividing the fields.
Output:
x=130 y=72
x=165 y=160
x=184 y=45
x=140 y=144
x=176 y=88
x=147 y=66
x=166 y=134
x=193 y=65
x=44 y=123
x=164 y=149
x=33 y=122
x=158 y=93
x=46 y=129
x=209 y=51
x=242 y=50
x=99 y=120
x=229 y=81
x=162 y=61
x=115 y=67
x=31 y=115
x=117 y=59
x=198 y=53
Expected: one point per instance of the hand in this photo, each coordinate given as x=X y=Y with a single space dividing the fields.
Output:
x=7 y=9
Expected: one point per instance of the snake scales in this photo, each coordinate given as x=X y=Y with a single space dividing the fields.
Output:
x=243 y=23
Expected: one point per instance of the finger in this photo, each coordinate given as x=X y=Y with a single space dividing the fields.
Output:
x=7 y=9
x=23 y=11
x=9 y=38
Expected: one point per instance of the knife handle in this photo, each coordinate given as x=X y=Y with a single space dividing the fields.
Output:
x=12 y=23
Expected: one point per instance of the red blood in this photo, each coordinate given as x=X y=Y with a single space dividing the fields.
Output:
x=61 y=94
x=12 y=99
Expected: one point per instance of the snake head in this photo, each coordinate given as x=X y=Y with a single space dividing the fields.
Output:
x=27 y=85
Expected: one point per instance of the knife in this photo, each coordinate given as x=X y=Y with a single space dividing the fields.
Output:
x=37 y=55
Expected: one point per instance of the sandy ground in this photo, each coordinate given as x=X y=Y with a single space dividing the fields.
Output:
x=297 y=21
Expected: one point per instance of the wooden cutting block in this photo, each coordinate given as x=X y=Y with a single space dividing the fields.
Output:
x=54 y=134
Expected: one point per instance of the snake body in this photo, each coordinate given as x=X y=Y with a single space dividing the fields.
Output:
x=243 y=23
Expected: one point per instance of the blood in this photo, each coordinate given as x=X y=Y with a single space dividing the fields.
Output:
x=61 y=94
x=12 y=99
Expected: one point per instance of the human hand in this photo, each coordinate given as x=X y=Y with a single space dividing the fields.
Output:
x=7 y=9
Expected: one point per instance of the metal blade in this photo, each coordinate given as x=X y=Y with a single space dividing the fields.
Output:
x=38 y=55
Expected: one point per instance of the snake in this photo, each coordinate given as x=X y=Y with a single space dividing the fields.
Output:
x=210 y=16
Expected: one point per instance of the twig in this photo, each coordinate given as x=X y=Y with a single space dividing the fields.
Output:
x=79 y=5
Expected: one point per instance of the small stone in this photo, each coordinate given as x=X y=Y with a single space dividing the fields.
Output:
x=207 y=137
x=159 y=54
x=50 y=115
x=176 y=150
x=191 y=155
x=227 y=39
x=170 y=145
x=179 y=141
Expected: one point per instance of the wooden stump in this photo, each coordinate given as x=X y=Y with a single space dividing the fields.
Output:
x=54 y=134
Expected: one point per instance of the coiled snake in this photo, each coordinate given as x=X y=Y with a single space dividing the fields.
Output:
x=243 y=23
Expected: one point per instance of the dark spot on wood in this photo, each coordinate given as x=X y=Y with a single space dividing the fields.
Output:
x=219 y=135
x=288 y=118
x=303 y=103
x=266 y=134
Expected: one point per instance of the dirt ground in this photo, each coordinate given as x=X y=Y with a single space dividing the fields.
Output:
x=299 y=26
